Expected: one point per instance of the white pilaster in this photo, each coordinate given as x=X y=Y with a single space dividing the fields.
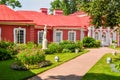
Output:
x=100 y=33
x=54 y=37
x=114 y=35
x=108 y=36
x=93 y=32
x=89 y=31
x=81 y=34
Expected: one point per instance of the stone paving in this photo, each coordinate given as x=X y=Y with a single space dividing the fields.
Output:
x=74 y=69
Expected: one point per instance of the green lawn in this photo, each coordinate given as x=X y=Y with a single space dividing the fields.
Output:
x=6 y=73
x=102 y=71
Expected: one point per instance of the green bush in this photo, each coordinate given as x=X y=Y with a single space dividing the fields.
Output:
x=79 y=45
x=31 y=56
x=66 y=51
x=97 y=43
x=53 y=48
x=68 y=45
x=89 y=42
x=6 y=50
x=31 y=45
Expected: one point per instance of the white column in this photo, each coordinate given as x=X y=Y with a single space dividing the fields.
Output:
x=81 y=34
x=89 y=31
x=54 y=33
x=114 y=35
x=108 y=36
x=93 y=32
x=100 y=33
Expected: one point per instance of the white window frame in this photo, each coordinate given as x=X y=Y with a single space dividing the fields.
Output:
x=74 y=35
x=39 y=35
x=15 y=41
x=61 y=37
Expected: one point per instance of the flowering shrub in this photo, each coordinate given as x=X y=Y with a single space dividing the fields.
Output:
x=31 y=56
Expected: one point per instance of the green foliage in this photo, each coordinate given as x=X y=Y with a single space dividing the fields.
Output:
x=53 y=48
x=12 y=3
x=71 y=46
x=97 y=43
x=68 y=6
x=31 y=56
x=31 y=45
x=66 y=51
x=79 y=45
x=6 y=50
x=90 y=42
x=102 y=12
x=64 y=46
x=4 y=54
x=117 y=66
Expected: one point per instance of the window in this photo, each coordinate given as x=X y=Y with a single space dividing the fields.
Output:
x=72 y=36
x=40 y=37
x=58 y=36
x=19 y=35
x=96 y=36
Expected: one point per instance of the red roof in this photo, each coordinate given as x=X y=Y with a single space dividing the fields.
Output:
x=55 y=20
x=7 y=14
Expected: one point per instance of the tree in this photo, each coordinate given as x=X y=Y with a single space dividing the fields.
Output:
x=12 y=3
x=102 y=12
x=68 y=6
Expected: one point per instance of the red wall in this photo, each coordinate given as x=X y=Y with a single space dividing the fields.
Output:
x=49 y=35
x=8 y=32
x=32 y=34
x=65 y=34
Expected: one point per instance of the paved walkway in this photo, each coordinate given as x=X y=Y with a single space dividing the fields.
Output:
x=74 y=69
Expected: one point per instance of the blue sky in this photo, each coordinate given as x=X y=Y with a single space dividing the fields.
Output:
x=34 y=4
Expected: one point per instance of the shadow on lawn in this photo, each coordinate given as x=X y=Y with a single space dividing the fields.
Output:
x=98 y=76
x=59 y=77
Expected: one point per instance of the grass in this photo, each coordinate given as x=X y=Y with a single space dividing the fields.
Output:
x=102 y=71
x=6 y=73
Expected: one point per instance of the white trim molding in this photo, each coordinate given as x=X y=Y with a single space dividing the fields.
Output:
x=17 y=30
x=70 y=37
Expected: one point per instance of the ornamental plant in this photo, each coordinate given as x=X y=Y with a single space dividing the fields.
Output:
x=6 y=50
x=90 y=42
x=31 y=56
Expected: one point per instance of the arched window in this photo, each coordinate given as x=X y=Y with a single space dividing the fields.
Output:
x=96 y=36
x=104 y=36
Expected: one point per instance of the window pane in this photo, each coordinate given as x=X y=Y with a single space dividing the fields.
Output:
x=58 y=36
x=40 y=37
x=71 y=36
x=19 y=34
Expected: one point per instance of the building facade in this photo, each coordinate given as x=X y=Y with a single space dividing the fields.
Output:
x=27 y=26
